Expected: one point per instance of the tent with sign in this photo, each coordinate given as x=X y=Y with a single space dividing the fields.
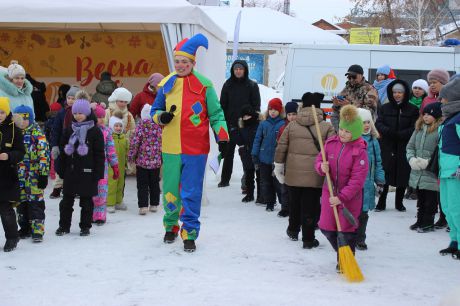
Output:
x=89 y=37
x=267 y=48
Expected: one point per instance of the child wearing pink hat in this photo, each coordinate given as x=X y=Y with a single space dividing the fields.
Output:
x=146 y=96
x=100 y=200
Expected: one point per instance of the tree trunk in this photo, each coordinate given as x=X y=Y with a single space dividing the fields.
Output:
x=392 y=22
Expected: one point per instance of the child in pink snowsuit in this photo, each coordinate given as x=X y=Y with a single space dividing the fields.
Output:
x=100 y=201
x=347 y=165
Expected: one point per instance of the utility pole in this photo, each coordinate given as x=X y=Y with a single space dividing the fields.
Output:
x=287 y=7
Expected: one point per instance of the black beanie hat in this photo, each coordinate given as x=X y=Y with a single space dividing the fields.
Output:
x=309 y=99
x=433 y=109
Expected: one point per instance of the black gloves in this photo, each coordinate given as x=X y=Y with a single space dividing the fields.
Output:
x=166 y=117
x=42 y=181
x=223 y=148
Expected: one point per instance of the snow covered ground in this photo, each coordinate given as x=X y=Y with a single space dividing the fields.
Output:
x=243 y=257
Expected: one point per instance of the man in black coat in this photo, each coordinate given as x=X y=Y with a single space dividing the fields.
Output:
x=237 y=91
x=396 y=123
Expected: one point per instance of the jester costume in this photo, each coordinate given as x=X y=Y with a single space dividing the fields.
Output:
x=185 y=144
x=31 y=170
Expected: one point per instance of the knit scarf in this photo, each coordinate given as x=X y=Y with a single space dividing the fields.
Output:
x=382 y=89
x=450 y=109
x=68 y=117
x=80 y=129
x=416 y=101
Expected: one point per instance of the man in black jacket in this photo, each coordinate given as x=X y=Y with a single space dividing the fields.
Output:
x=237 y=91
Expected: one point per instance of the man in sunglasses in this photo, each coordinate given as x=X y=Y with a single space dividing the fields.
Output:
x=357 y=91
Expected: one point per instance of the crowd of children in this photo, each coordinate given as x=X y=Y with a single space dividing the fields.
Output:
x=413 y=141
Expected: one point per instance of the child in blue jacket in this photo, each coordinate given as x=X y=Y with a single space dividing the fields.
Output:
x=263 y=152
x=375 y=175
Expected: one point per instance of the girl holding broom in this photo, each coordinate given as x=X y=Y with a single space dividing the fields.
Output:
x=347 y=165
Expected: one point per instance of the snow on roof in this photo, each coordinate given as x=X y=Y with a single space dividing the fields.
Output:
x=269 y=26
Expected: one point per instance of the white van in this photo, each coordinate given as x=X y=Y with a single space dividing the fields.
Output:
x=322 y=68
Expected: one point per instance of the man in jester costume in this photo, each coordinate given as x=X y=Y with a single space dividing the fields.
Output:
x=185 y=106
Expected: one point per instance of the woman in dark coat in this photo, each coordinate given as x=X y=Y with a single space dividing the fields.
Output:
x=11 y=153
x=81 y=166
x=396 y=123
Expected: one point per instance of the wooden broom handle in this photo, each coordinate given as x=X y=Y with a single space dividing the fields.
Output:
x=323 y=154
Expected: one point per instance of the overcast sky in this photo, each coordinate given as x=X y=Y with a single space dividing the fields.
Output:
x=313 y=10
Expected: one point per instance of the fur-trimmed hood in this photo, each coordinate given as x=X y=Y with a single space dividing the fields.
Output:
x=407 y=93
x=10 y=89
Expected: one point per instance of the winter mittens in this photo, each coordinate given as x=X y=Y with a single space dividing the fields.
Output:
x=279 y=172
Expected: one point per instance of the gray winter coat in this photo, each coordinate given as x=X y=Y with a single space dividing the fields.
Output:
x=422 y=144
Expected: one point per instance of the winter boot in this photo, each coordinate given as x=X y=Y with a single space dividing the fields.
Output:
x=111 y=209
x=189 y=246
x=143 y=211
x=399 y=196
x=24 y=233
x=56 y=193
x=441 y=223
x=283 y=213
x=409 y=192
x=270 y=207
x=453 y=247
x=381 y=204
x=37 y=237
x=456 y=255
x=427 y=224
x=153 y=208
x=62 y=231
x=223 y=184
x=10 y=245
x=292 y=235
x=99 y=222
x=169 y=237
x=84 y=232
x=362 y=246
x=310 y=244
x=121 y=206
x=248 y=198
x=415 y=226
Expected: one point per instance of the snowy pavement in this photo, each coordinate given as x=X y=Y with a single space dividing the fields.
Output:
x=243 y=257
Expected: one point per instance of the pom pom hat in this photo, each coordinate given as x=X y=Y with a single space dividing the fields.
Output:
x=99 y=111
x=188 y=46
x=351 y=121
x=5 y=105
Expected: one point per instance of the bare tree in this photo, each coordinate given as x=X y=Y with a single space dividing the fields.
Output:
x=413 y=18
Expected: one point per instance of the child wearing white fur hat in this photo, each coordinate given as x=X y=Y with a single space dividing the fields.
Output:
x=119 y=101
x=145 y=152
x=117 y=186
x=375 y=175
x=15 y=86
x=420 y=89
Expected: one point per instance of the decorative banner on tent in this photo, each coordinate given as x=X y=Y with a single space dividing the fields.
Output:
x=256 y=64
x=365 y=36
x=81 y=57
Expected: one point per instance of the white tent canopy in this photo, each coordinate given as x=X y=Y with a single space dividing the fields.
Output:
x=263 y=25
x=176 y=19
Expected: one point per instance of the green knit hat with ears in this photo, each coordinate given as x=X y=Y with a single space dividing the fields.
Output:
x=351 y=121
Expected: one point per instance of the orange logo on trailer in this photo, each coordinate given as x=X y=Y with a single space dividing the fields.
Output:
x=329 y=82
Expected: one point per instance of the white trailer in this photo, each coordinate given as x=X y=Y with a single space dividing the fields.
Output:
x=322 y=68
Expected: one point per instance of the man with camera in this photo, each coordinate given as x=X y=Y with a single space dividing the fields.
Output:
x=357 y=91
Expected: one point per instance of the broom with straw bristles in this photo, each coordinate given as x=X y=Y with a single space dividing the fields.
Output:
x=347 y=262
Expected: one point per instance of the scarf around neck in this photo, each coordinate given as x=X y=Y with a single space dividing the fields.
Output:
x=450 y=109
x=382 y=89
x=80 y=130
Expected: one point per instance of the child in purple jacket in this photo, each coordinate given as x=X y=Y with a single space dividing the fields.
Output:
x=145 y=152
x=347 y=165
